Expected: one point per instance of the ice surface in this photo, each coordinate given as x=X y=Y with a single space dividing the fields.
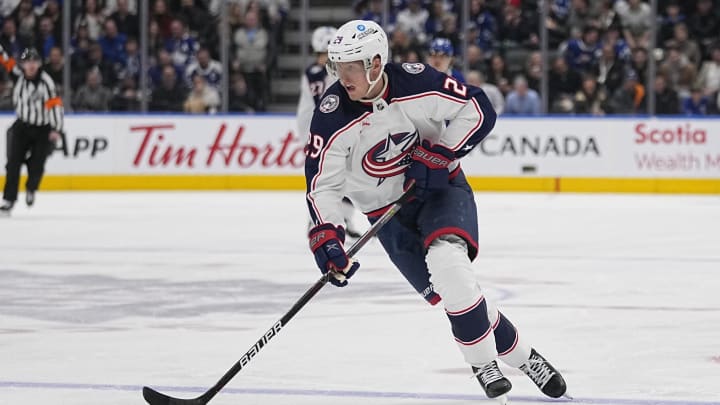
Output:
x=101 y=293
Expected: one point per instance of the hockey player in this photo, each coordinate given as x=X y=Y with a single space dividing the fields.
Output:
x=441 y=58
x=379 y=127
x=312 y=86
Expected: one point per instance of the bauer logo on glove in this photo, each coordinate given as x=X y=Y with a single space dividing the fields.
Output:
x=326 y=243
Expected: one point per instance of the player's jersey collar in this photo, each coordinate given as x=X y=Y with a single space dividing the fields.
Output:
x=383 y=94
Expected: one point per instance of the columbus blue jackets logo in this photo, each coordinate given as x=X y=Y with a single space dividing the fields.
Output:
x=329 y=104
x=391 y=156
x=413 y=68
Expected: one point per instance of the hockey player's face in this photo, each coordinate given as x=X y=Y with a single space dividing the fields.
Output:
x=439 y=61
x=352 y=77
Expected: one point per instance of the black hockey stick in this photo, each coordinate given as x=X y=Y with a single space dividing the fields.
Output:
x=156 y=398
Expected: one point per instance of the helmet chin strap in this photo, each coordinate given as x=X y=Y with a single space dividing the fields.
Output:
x=372 y=84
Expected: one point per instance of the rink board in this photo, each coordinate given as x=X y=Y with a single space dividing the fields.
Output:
x=264 y=152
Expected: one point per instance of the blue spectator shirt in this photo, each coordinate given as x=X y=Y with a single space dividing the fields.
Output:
x=527 y=105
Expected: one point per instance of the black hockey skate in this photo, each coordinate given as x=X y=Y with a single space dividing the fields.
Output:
x=544 y=375
x=6 y=208
x=30 y=198
x=492 y=380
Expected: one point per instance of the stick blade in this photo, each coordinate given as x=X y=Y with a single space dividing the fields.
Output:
x=157 y=398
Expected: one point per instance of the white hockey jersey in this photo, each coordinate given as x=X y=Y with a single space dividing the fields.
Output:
x=312 y=86
x=361 y=151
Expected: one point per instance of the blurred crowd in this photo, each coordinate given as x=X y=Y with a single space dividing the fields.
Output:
x=598 y=62
x=184 y=50
x=599 y=51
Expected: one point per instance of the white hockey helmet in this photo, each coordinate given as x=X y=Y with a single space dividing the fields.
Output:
x=321 y=37
x=358 y=40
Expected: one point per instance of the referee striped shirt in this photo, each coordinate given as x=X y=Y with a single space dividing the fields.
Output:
x=36 y=100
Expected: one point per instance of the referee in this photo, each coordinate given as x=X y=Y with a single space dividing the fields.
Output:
x=38 y=125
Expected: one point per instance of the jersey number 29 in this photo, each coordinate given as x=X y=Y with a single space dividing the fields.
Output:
x=314 y=145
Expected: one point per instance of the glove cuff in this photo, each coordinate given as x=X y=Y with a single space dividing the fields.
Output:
x=322 y=233
x=434 y=157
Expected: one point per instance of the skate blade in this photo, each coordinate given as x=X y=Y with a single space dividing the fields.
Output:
x=567 y=395
x=502 y=399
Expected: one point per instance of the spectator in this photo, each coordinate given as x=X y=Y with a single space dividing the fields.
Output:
x=709 y=76
x=433 y=22
x=181 y=45
x=636 y=18
x=92 y=96
x=251 y=55
x=672 y=17
x=52 y=11
x=202 y=98
x=26 y=21
x=375 y=12
x=612 y=38
x=126 y=96
x=639 y=63
x=686 y=46
x=606 y=15
x=9 y=38
x=666 y=99
x=113 y=44
x=54 y=67
x=94 y=59
x=476 y=58
x=627 y=99
x=590 y=98
x=522 y=100
x=170 y=95
x=477 y=79
x=581 y=16
x=91 y=16
x=239 y=95
x=155 y=41
x=45 y=40
x=210 y=70
x=562 y=81
x=696 y=104
x=516 y=29
x=413 y=19
x=610 y=71
x=80 y=42
x=450 y=32
x=126 y=21
x=131 y=65
x=197 y=19
x=705 y=23
x=582 y=54
x=679 y=71
x=484 y=23
x=498 y=74
x=401 y=46
x=556 y=23
x=533 y=70
x=156 y=71
x=163 y=18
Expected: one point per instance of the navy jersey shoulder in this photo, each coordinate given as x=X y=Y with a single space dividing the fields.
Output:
x=413 y=78
x=334 y=111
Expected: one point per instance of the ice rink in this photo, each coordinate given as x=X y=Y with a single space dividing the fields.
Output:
x=102 y=293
